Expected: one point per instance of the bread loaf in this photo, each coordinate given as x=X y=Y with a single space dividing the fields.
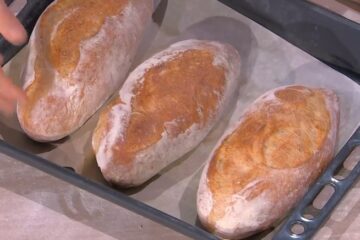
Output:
x=264 y=164
x=164 y=109
x=80 y=53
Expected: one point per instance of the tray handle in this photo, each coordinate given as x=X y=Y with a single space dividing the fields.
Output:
x=308 y=227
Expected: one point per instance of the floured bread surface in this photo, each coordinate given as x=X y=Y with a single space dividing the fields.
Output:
x=165 y=108
x=264 y=165
x=80 y=53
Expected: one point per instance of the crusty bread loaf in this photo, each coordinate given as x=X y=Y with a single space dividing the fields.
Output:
x=164 y=109
x=264 y=164
x=80 y=53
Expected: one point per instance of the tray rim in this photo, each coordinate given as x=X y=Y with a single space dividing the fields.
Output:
x=323 y=13
x=107 y=193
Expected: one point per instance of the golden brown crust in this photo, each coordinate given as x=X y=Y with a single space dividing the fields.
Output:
x=165 y=108
x=79 y=21
x=61 y=51
x=186 y=88
x=281 y=133
x=76 y=47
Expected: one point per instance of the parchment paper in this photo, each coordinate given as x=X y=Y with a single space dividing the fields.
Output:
x=267 y=62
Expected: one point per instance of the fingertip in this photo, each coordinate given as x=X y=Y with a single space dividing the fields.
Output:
x=17 y=36
x=10 y=91
x=19 y=95
x=6 y=108
x=10 y=26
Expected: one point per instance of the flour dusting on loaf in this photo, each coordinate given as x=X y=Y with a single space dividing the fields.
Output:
x=62 y=96
x=150 y=160
x=260 y=168
x=29 y=73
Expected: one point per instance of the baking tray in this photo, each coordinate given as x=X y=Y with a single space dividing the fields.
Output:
x=271 y=19
x=349 y=9
x=325 y=35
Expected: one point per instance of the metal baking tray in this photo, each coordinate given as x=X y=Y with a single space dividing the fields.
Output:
x=348 y=9
x=313 y=33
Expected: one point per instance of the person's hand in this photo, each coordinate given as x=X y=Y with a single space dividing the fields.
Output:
x=12 y=30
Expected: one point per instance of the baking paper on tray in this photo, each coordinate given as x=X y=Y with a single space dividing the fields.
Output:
x=267 y=62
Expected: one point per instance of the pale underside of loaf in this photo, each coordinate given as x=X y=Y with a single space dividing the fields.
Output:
x=64 y=89
x=271 y=188
x=172 y=143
